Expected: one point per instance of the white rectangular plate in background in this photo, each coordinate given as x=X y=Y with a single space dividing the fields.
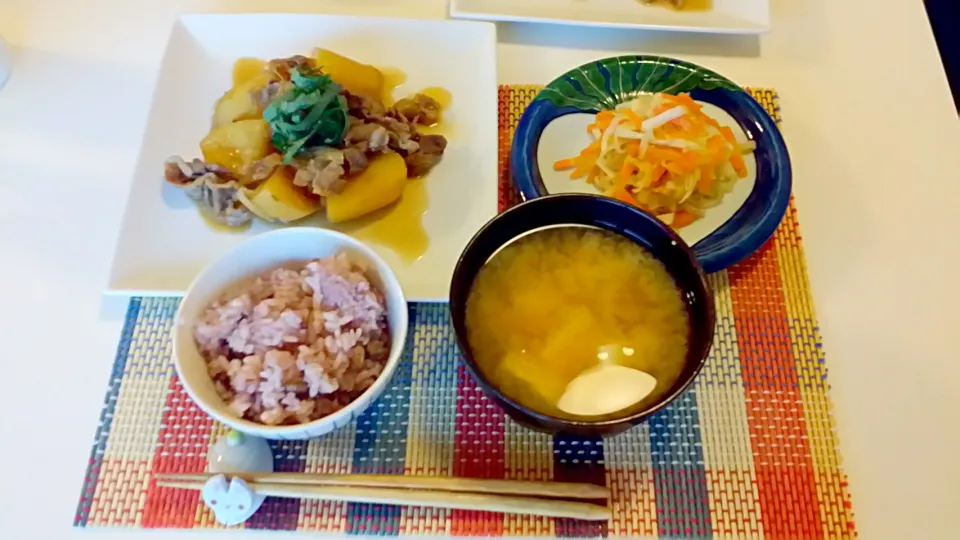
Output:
x=164 y=242
x=726 y=16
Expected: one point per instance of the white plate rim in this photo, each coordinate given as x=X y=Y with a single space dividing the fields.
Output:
x=462 y=9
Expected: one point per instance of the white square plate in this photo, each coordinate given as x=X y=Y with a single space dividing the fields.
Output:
x=164 y=243
x=725 y=17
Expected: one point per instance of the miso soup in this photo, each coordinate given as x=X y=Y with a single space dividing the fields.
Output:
x=543 y=308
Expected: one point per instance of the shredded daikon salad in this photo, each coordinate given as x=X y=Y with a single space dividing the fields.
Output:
x=664 y=154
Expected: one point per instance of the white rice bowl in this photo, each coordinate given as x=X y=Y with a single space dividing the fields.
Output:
x=273 y=274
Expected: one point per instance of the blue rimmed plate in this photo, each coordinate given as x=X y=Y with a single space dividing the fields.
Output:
x=554 y=127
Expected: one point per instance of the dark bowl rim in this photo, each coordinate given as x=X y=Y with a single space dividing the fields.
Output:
x=562 y=424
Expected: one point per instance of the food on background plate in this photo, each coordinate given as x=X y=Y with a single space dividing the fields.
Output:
x=296 y=343
x=682 y=5
x=661 y=152
x=553 y=304
x=298 y=135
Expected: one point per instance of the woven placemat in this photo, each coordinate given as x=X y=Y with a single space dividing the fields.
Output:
x=749 y=451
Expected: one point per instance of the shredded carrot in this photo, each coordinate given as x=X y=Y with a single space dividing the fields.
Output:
x=620 y=193
x=738 y=164
x=686 y=145
x=592 y=150
x=583 y=167
x=663 y=107
x=586 y=158
x=685 y=124
x=658 y=176
x=634 y=118
x=707 y=177
x=564 y=164
x=688 y=160
x=715 y=143
x=718 y=151
x=674 y=168
x=659 y=153
x=682 y=218
x=684 y=100
x=711 y=121
x=603 y=119
x=708 y=174
x=728 y=134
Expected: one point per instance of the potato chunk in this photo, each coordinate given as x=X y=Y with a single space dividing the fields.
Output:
x=279 y=200
x=379 y=185
x=355 y=77
x=237 y=144
x=240 y=102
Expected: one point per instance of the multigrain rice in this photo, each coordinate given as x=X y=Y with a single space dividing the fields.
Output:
x=296 y=343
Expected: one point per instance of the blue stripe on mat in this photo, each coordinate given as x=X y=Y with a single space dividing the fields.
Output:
x=279 y=513
x=579 y=459
x=106 y=415
x=380 y=445
x=679 y=474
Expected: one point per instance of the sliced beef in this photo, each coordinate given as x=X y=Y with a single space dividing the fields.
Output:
x=430 y=152
x=211 y=186
x=355 y=160
x=261 y=169
x=283 y=66
x=433 y=144
x=371 y=137
x=274 y=89
x=401 y=136
x=399 y=130
x=375 y=126
x=322 y=171
x=362 y=107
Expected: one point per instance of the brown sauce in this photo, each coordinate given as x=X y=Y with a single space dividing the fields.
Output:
x=393 y=78
x=211 y=222
x=445 y=99
x=441 y=95
x=398 y=227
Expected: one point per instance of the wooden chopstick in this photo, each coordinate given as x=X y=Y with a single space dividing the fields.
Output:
x=421 y=497
x=560 y=490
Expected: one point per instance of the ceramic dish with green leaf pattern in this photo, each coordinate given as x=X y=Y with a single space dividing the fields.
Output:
x=555 y=126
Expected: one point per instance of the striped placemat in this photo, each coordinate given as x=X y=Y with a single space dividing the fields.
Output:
x=749 y=451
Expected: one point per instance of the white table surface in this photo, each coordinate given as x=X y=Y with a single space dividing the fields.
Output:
x=873 y=134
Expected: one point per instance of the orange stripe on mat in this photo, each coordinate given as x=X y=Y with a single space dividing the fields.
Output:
x=182 y=448
x=784 y=471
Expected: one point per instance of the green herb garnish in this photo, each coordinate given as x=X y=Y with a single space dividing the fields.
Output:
x=312 y=113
